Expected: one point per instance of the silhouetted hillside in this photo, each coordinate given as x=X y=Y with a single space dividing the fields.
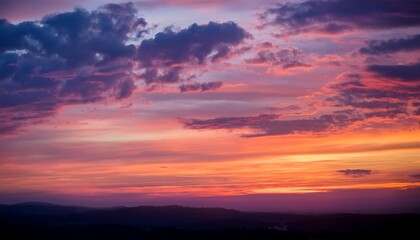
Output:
x=45 y=221
x=38 y=208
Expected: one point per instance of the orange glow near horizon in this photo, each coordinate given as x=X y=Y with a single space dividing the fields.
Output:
x=289 y=164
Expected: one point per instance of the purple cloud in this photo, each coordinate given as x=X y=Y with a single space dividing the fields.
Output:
x=285 y=58
x=409 y=72
x=66 y=58
x=335 y=16
x=160 y=76
x=358 y=98
x=85 y=56
x=417 y=105
x=270 y=124
x=163 y=55
x=200 y=86
x=377 y=47
x=355 y=172
x=191 y=45
x=375 y=100
x=393 y=113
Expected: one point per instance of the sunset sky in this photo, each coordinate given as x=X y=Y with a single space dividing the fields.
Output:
x=306 y=105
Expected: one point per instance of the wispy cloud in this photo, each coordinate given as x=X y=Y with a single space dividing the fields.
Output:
x=337 y=16
x=377 y=47
x=355 y=172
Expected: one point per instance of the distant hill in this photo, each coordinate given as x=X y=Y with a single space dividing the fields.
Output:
x=35 y=204
x=143 y=216
x=50 y=221
x=39 y=208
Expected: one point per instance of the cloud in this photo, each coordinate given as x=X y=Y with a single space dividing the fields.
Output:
x=83 y=56
x=271 y=124
x=78 y=37
x=351 y=94
x=370 y=104
x=284 y=58
x=200 y=86
x=193 y=45
x=228 y=122
x=356 y=98
x=393 y=113
x=409 y=72
x=160 y=76
x=336 y=16
x=387 y=97
x=355 y=172
x=265 y=45
x=416 y=176
x=164 y=56
x=377 y=47
x=417 y=105
x=66 y=58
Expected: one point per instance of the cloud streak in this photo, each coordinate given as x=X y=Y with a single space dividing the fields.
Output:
x=200 y=86
x=355 y=172
x=378 y=47
x=409 y=72
x=285 y=58
x=271 y=124
x=337 y=16
x=390 y=93
x=357 y=99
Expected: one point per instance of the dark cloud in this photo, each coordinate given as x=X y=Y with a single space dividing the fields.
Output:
x=360 y=98
x=356 y=83
x=377 y=104
x=407 y=73
x=87 y=56
x=376 y=47
x=354 y=76
x=286 y=109
x=355 y=172
x=416 y=176
x=67 y=58
x=347 y=95
x=388 y=100
x=367 y=107
x=78 y=37
x=265 y=45
x=270 y=124
x=416 y=104
x=356 y=95
x=335 y=16
x=393 y=113
x=284 y=58
x=191 y=45
x=164 y=55
x=228 y=122
x=200 y=86
x=159 y=76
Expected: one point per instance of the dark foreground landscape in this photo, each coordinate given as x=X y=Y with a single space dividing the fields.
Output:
x=48 y=221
